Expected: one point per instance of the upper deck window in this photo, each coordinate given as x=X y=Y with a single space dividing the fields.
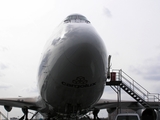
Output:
x=76 y=18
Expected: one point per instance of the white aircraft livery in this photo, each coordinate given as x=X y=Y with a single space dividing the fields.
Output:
x=72 y=74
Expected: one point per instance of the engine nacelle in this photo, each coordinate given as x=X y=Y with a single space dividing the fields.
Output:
x=148 y=114
x=7 y=108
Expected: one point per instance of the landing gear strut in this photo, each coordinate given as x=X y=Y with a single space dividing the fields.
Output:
x=25 y=111
x=95 y=114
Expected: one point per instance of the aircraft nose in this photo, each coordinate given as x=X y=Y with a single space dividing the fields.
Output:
x=82 y=50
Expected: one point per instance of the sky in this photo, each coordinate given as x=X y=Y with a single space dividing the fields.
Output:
x=130 y=30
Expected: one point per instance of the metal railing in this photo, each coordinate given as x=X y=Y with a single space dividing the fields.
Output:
x=136 y=87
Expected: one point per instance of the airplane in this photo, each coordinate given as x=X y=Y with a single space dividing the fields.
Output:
x=72 y=74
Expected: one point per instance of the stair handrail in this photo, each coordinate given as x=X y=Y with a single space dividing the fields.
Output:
x=147 y=96
x=133 y=81
x=134 y=88
x=156 y=97
x=120 y=72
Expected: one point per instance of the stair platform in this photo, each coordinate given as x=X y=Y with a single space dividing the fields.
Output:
x=114 y=83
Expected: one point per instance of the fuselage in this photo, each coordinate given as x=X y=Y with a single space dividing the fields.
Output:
x=73 y=69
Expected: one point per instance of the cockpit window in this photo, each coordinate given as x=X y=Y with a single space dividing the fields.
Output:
x=76 y=18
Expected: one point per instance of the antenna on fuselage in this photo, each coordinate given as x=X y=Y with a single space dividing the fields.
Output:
x=109 y=67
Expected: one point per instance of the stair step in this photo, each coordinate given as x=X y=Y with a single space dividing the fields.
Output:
x=126 y=88
x=140 y=101
x=128 y=91
x=135 y=96
x=132 y=93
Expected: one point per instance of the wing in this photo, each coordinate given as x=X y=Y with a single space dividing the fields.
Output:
x=111 y=104
x=21 y=102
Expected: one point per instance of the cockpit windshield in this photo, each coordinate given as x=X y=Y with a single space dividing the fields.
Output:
x=76 y=18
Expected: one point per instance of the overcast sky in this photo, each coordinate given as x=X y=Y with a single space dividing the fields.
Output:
x=130 y=30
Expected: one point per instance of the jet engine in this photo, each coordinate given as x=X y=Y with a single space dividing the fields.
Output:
x=148 y=114
x=7 y=108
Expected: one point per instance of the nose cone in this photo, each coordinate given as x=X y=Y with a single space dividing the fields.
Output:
x=83 y=47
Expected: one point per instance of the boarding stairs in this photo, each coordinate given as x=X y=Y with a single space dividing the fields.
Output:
x=119 y=79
